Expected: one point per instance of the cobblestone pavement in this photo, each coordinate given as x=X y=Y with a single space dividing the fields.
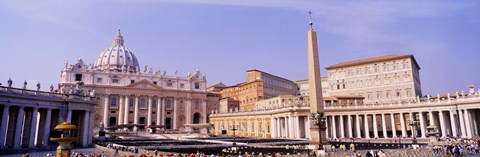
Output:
x=44 y=153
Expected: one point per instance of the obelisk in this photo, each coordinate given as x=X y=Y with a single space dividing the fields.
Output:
x=315 y=84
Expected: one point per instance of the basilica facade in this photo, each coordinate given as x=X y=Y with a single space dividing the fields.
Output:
x=128 y=95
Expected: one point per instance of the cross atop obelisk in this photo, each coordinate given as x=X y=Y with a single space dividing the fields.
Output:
x=310 y=17
x=315 y=84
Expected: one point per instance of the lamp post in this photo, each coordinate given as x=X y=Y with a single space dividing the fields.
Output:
x=320 y=120
x=414 y=125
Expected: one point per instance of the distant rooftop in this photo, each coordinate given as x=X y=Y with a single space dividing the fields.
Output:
x=372 y=60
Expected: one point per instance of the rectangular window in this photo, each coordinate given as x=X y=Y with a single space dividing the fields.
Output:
x=168 y=104
x=197 y=85
x=169 y=84
x=131 y=112
x=182 y=85
x=155 y=82
x=132 y=81
x=99 y=80
x=114 y=80
x=78 y=77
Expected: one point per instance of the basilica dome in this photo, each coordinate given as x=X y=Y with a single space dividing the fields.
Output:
x=117 y=57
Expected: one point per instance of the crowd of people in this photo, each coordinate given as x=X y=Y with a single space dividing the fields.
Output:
x=457 y=147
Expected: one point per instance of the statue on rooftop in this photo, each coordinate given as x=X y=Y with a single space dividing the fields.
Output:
x=10 y=83
x=51 y=88
x=25 y=84
x=38 y=86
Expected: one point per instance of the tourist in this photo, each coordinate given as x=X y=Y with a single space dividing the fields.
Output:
x=456 y=151
x=369 y=154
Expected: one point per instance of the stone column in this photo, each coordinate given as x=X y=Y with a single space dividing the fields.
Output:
x=127 y=109
x=188 y=112
x=453 y=123
x=462 y=123
x=287 y=135
x=33 y=130
x=402 y=124
x=91 y=121
x=384 y=126
x=357 y=126
x=350 y=129
x=422 y=125
x=159 y=111
x=411 y=127
x=69 y=115
x=297 y=127
x=121 y=111
x=327 y=131
x=135 y=113
x=163 y=111
x=3 y=128
x=442 y=124
x=105 y=111
x=307 y=124
x=375 y=127
x=342 y=127
x=149 y=111
x=394 y=129
x=279 y=127
x=175 y=110
x=48 y=122
x=468 y=125
x=432 y=120
x=334 y=127
x=367 y=131
x=85 y=129
x=203 y=104
x=273 y=126
x=19 y=128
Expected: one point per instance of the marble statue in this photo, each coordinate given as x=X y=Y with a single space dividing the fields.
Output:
x=38 y=86
x=51 y=88
x=25 y=84
x=10 y=82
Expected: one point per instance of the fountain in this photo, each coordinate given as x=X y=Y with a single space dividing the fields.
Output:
x=67 y=130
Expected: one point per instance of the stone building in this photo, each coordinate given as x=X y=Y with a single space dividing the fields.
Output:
x=127 y=94
x=29 y=116
x=382 y=79
x=258 y=86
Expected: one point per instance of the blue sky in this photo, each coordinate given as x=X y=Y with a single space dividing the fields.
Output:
x=225 y=38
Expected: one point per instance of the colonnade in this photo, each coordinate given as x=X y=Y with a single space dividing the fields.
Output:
x=30 y=126
x=449 y=123
x=290 y=126
x=158 y=110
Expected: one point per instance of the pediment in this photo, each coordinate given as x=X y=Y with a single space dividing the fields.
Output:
x=144 y=84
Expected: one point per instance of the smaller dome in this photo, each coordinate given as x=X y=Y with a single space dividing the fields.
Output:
x=117 y=57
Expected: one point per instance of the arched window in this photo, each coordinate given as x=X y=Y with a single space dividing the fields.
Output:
x=130 y=103
x=113 y=102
